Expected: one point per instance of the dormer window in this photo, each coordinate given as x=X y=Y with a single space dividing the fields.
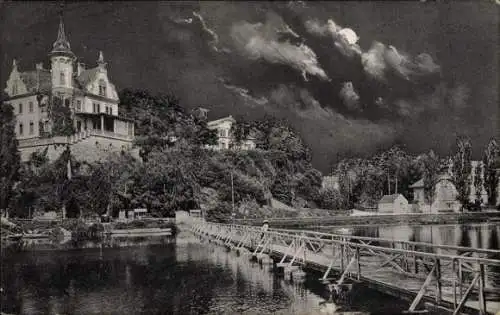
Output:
x=102 y=87
x=62 y=78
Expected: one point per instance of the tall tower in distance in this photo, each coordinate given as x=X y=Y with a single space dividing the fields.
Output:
x=62 y=59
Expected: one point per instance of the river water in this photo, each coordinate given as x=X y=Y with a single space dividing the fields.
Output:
x=484 y=235
x=180 y=276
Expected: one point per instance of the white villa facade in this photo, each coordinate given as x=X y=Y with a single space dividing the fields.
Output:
x=225 y=138
x=89 y=94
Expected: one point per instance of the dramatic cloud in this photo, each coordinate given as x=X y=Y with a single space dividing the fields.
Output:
x=380 y=59
x=214 y=38
x=245 y=94
x=261 y=41
x=362 y=94
x=349 y=96
x=338 y=133
x=345 y=39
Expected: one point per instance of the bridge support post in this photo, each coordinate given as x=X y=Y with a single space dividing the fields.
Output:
x=421 y=292
x=437 y=270
x=482 y=298
x=466 y=295
x=454 y=281
x=358 y=259
x=282 y=263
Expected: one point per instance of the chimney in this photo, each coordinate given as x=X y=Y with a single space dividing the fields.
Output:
x=80 y=68
x=39 y=66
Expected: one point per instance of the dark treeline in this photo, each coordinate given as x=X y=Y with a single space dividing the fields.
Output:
x=174 y=170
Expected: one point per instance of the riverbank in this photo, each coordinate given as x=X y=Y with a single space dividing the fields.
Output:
x=385 y=219
x=19 y=235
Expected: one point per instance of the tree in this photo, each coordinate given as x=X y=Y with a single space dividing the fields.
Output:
x=161 y=122
x=330 y=199
x=491 y=162
x=10 y=160
x=462 y=170
x=61 y=116
x=430 y=166
x=478 y=183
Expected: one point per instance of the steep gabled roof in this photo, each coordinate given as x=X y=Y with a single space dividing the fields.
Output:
x=389 y=198
x=37 y=80
x=87 y=76
x=418 y=184
x=221 y=120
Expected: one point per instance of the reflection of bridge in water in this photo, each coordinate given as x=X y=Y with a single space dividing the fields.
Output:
x=264 y=287
x=454 y=278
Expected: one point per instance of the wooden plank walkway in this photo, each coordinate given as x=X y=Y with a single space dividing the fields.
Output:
x=457 y=283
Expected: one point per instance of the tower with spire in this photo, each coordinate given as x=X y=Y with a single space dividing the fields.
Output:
x=62 y=60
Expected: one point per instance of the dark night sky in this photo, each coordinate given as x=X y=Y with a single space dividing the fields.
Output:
x=350 y=77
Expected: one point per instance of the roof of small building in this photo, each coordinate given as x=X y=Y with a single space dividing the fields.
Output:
x=220 y=120
x=389 y=198
x=418 y=184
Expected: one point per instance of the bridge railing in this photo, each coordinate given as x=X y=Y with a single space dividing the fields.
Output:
x=458 y=274
x=384 y=242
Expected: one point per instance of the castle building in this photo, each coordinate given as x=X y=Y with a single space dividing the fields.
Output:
x=87 y=97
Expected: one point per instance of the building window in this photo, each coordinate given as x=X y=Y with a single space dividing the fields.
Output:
x=62 y=78
x=94 y=107
x=32 y=128
x=14 y=88
x=102 y=87
x=20 y=108
x=66 y=102
x=79 y=105
x=98 y=108
x=31 y=107
x=21 y=129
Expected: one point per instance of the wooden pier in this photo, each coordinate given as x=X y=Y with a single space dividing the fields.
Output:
x=460 y=280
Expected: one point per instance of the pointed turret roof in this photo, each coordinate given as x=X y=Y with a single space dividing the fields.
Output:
x=61 y=45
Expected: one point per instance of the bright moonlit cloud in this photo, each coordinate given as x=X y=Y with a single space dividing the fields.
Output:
x=345 y=39
x=260 y=41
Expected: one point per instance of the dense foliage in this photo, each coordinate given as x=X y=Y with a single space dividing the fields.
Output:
x=462 y=169
x=60 y=113
x=9 y=154
x=177 y=172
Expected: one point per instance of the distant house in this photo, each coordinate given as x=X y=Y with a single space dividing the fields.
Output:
x=444 y=199
x=225 y=139
x=330 y=182
x=418 y=191
x=445 y=195
x=395 y=203
x=223 y=128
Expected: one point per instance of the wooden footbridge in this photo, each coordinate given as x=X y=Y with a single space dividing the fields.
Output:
x=459 y=280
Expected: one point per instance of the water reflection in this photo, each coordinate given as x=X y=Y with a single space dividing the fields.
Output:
x=183 y=277
x=467 y=235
